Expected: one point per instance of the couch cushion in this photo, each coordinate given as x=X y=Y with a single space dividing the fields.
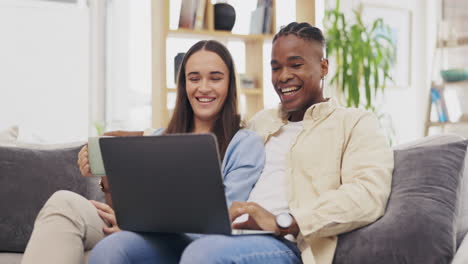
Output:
x=419 y=223
x=462 y=211
x=28 y=177
x=462 y=216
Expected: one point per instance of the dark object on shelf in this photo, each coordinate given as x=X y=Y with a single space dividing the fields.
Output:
x=224 y=16
x=246 y=81
x=177 y=61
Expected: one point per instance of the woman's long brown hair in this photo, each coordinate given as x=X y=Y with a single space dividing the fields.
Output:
x=228 y=120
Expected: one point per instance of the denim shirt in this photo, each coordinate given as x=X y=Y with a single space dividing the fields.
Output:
x=242 y=165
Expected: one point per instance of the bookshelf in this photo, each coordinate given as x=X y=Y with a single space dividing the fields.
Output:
x=254 y=50
x=445 y=45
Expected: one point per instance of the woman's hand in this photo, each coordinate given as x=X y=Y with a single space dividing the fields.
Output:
x=83 y=162
x=83 y=156
x=108 y=215
x=259 y=217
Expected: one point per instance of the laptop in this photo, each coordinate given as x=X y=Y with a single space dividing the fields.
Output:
x=169 y=183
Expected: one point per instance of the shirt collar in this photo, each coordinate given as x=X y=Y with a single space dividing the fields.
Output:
x=314 y=112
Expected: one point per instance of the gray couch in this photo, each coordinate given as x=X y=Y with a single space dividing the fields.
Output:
x=29 y=175
x=46 y=164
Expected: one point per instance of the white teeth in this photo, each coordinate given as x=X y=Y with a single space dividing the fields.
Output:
x=205 y=100
x=289 y=90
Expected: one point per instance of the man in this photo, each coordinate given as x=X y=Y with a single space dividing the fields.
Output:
x=328 y=169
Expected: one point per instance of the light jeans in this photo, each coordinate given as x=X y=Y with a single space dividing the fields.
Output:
x=129 y=247
x=64 y=229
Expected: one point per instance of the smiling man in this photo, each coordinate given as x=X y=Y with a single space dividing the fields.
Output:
x=328 y=169
x=297 y=69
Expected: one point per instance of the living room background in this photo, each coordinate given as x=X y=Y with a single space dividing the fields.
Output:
x=49 y=87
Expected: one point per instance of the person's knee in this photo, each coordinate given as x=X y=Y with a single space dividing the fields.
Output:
x=62 y=202
x=63 y=199
x=72 y=206
x=210 y=249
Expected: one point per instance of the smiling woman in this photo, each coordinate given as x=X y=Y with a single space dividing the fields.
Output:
x=207 y=87
x=206 y=93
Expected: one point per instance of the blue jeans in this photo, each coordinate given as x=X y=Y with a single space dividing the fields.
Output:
x=128 y=247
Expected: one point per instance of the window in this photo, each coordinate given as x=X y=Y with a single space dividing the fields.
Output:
x=128 y=65
x=44 y=69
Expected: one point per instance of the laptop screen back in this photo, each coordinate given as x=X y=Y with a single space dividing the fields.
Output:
x=170 y=183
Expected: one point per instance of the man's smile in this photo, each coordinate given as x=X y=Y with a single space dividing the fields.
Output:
x=290 y=90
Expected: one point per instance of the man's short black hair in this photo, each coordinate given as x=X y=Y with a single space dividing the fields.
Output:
x=302 y=30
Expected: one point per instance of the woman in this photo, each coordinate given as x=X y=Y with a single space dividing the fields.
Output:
x=206 y=101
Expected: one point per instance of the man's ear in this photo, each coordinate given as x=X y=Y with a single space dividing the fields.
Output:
x=324 y=67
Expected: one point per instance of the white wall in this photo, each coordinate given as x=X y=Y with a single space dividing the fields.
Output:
x=44 y=69
x=407 y=105
x=128 y=65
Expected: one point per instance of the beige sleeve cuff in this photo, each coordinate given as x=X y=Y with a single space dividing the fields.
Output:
x=148 y=131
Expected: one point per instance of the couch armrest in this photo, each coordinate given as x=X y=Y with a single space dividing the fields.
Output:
x=461 y=256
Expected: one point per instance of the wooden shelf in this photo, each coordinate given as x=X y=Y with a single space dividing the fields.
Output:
x=444 y=84
x=465 y=82
x=453 y=43
x=190 y=33
x=440 y=124
x=251 y=91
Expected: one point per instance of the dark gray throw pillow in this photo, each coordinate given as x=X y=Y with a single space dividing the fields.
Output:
x=419 y=223
x=28 y=177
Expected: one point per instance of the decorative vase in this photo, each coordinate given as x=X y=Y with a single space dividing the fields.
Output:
x=224 y=16
x=177 y=62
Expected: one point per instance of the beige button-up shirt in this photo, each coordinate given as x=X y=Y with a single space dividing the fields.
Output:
x=338 y=174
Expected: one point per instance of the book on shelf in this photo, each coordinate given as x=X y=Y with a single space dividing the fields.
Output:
x=438 y=101
x=256 y=20
x=453 y=97
x=200 y=14
x=268 y=16
x=188 y=13
x=261 y=17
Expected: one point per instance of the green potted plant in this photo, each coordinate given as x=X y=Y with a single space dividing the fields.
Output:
x=362 y=54
x=100 y=127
